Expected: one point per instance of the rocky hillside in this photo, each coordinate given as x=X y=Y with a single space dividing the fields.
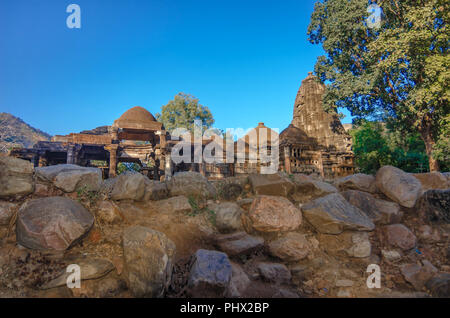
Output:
x=258 y=236
x=14 y=132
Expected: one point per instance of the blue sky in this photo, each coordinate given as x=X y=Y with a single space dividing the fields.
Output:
x=243 y=59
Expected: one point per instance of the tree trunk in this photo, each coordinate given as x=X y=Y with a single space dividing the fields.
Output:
x=429 y=143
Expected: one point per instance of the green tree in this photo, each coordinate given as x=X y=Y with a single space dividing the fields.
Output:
x=398 y=72
x=182 y=111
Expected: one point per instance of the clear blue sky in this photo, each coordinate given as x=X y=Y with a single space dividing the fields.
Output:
x=243 y=59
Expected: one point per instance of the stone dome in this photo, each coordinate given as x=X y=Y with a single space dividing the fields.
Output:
x=136 y=118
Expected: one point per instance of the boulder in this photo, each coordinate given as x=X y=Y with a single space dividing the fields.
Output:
x=109 y=212
x=270 y=214
x=417 y=275
x=274 y=273
x=379 y=211
x=434 y=206
x=308 y=190
x=16 y=177
x=53 y=223
x=400 y=236
x=359 y=181
x=230 y=188
x=432 y=180
x=148 y=261
x=332 y=214
x=191 y=184
x=239 y=243
x=179 y=204
x=291 y=247
x=239 y=282
x=129 y=186
x=69 y=177
x=361 y=246
x=352 y=244
x=7 y=210
x=399 y=186
x=155 y=190
x=228 y=217
x=210 y=274
x=271 y=184
x=439 y=285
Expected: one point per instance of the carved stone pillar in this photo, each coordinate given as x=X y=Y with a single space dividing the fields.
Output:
x=168 y=167
x=287 y=159
x=112 y=149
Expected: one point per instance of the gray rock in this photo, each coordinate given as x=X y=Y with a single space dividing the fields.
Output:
x=239 y=243
x=309 y=189
x=148 y=261
x=271 y=184
x=332 y=214
x=361 y=247
x=379 y=211
x=191 y=184
x=398 y=185
x=179 y=204
x=129 y=186
x=16 y=177
x=228 y=217
x=398 y=235
x=54 y=223
x=359 y=181
x=434 y=206
x=72 y=180
x=155 y=190
x=274 y=273
x=391 y=256
x=417 y=274
x=439 y=285
x=239 y=282
x=210 y=274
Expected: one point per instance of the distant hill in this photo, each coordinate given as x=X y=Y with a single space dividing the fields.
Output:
x=14 y=132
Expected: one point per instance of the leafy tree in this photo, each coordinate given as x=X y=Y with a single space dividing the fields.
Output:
x=398 y=72
x=182 y=111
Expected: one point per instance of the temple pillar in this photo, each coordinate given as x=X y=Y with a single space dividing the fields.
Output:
x=168 y=167
x=287 y=159
x=112 y=149
x=70 y=154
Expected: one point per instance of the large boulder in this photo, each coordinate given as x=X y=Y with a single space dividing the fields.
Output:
x=210 y=274
x=271 y=214
x=359 y=181
x=148 y=261
x=239 y=243
x=439 y=285
x=53 y=223
x=332 y=214
x=7 y=210
x=398 y=235
x=69 y=177
x=16 y=177
x=310 y=189
x=379 y=211
x=228 y=217
x=398 y=185
x=432 y=180
x=434 y=205
x=129 y=186
x=109 y=212
x=271 y=184
x=191 y=184
x=291 y=247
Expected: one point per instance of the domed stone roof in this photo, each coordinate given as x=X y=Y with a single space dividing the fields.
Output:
x=295 y=135
x=136 y=118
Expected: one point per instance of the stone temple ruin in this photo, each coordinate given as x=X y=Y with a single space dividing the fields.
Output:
x=314 y=143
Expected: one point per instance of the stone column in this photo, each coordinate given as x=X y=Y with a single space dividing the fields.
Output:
x=112 y=149
x=287 y=159
x=168 y=165
x=71 y=154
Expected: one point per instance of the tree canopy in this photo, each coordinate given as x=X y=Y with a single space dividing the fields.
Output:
x=182 y=111
x=398 y=72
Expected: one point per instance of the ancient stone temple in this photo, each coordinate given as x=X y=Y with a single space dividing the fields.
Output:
x=315 y=141
x=135 y=137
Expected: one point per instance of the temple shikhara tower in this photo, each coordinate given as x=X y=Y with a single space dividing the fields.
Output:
x=315 y=141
